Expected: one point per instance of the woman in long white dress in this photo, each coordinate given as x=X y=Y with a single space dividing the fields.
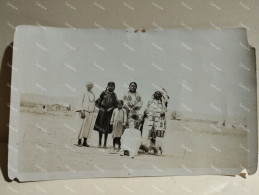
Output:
x=88 y=113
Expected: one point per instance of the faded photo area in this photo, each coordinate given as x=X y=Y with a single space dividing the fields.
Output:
x=119 y=103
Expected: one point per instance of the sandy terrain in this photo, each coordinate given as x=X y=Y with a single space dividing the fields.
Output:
x=49 y=141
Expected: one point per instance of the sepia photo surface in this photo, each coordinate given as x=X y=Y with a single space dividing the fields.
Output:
x=120 y=103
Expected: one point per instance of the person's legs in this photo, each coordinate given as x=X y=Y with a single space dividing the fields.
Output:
x=100 y=138
x=161 y=151
x=79 y=142
x=85 y=142
x=114 y=142
x=105 y=139
x=155 y=149
x=119 y=142
x=144 y=148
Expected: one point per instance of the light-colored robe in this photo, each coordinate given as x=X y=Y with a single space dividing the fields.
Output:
x=87 y=124
x=131 y=141
x=119 y=118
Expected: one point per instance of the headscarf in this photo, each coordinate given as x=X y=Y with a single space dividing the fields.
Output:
x=110 y=83
x=89 y=84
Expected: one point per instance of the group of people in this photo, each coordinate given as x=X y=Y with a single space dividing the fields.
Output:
x=120 y=117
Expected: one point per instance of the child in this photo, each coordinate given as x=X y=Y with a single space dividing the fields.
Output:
x=131 y=140
x=118 y=122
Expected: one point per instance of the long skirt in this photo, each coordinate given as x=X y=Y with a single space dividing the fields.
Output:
x=87 y=125
x=102 y=123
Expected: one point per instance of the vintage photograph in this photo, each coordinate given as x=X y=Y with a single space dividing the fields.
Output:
x=120 y=103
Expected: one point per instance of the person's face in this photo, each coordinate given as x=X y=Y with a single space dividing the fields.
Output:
x=157 y=96
x=111 y=88
x=133 y=87
x=89 y=87
x=119 y=106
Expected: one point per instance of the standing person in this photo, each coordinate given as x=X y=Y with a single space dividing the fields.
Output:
x=133 y=102
x=87 y=114
x=118 y=122
x=155 y=112
x=106 y=103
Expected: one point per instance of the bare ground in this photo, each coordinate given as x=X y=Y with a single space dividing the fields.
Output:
x=49 y=142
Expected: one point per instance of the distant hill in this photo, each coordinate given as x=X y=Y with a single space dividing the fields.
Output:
x=35 y=99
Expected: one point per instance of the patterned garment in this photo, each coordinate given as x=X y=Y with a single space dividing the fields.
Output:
x=154 y=110
x=132 y=103
x=106 y=100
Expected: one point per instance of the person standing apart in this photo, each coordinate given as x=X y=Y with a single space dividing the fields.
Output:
x=133 y=103
x=118 y=122
x=154 y=112
x=107 y=102
x=88 y=113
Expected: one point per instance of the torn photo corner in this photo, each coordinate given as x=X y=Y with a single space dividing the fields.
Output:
x=89 y=103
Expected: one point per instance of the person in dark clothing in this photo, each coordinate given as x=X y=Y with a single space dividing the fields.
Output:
x=106 y=103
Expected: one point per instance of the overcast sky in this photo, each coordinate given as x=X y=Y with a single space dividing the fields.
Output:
x=204 y=71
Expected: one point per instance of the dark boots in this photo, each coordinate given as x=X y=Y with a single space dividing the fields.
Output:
x=79 y=142
x=117 y=140
x=100 y=140
x=85 y=143
x=105 y=140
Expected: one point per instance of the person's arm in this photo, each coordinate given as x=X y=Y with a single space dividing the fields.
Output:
x=139 y=104
x=112 y=119
x=110 y=109
x=147 y=108
x=126 y=102
x=79 y=105
x=114 y=103
x=99 y=101
x=124 y=118
x=83 y=98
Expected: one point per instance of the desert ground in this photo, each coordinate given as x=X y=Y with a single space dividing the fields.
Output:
x=48 y=144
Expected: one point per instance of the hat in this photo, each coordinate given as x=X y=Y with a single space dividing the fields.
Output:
x=89 y=84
